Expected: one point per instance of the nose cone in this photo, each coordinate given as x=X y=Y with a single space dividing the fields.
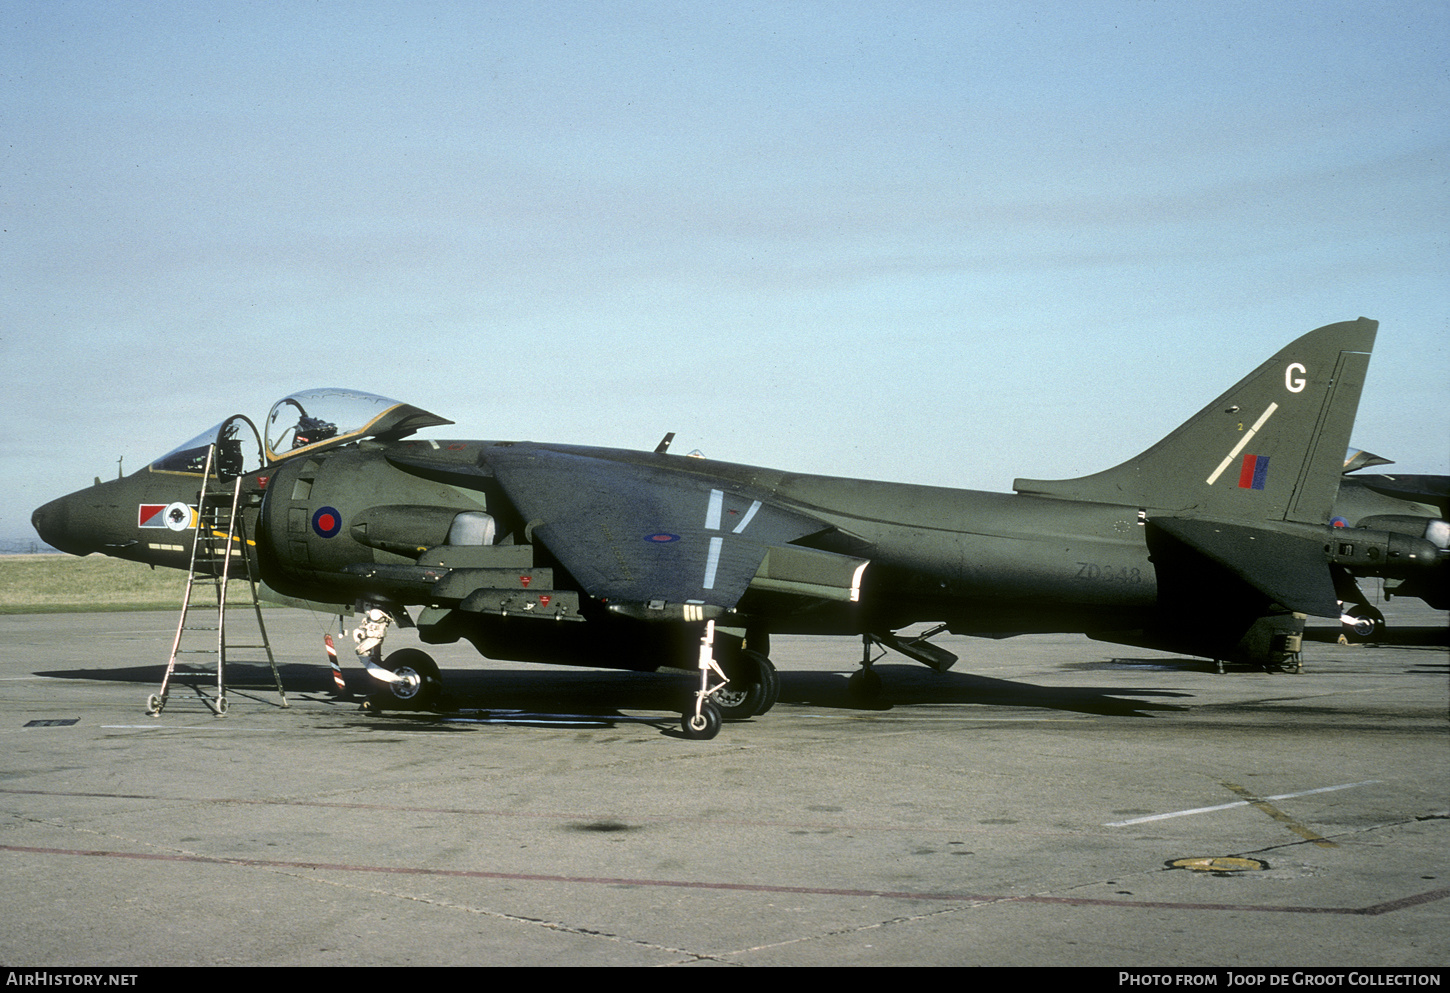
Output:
x=53 y=523
x=49 y=523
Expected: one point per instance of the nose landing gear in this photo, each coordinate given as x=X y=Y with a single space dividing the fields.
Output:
x=416 y=683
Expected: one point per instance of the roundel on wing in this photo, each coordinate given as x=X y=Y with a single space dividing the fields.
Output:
x=326 y=522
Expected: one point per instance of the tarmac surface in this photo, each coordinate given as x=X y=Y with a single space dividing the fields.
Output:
x=1023 y=809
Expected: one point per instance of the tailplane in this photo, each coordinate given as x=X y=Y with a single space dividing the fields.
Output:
x=1270 y=449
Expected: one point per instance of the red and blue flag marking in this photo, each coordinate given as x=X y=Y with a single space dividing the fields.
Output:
x=1255 y=472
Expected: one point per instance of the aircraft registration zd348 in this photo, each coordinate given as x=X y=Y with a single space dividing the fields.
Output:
x=1214 y=542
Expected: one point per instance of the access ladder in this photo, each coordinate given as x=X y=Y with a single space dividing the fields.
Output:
x=219 y=537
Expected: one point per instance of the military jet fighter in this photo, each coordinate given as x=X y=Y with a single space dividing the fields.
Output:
x=1214 y=542
x=1414 y=505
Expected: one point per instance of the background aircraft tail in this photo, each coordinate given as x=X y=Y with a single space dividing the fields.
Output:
x=1271 y=448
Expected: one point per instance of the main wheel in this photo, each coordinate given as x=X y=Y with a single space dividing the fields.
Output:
x=421 y=683
x=1365 y=623
x=701 y=727
x=753 y=688
x=769 y=678
x=864 y=685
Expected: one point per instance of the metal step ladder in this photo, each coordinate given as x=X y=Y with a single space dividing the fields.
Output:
x=219 y=541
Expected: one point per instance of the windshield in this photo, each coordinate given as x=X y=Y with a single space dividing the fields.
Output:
x=233 y=458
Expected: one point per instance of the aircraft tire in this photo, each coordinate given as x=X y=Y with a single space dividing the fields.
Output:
x=705 y=726
x=753 y=689
x=424 y=694
x=769 y=678
x=864 y=685
x=1368 y=624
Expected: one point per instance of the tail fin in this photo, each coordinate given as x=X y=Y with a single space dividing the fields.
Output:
x=1271 y=448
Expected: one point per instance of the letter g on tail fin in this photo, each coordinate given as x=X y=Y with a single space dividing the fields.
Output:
x=1271 y=448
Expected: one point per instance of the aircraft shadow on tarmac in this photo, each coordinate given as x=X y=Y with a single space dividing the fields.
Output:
x=605 y=695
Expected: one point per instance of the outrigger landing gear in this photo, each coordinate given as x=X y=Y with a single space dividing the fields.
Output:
x=701 y=722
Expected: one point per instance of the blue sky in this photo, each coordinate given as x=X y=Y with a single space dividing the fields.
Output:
x=949 y=243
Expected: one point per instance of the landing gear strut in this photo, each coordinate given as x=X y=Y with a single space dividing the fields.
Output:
x=701 y=722
x=865 y=683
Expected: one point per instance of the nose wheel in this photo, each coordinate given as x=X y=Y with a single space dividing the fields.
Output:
x=416 y=683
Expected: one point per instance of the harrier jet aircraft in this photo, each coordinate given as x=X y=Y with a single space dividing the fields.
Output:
x=1414 y=505
x=1214 y=542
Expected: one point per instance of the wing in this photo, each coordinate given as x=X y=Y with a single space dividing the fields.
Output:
x=650 y=539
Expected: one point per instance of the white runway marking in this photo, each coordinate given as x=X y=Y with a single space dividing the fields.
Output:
x=1236 y=803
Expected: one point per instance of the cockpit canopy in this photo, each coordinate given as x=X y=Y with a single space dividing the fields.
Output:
x=306 y=421
x=313 y=419
x=233 y=456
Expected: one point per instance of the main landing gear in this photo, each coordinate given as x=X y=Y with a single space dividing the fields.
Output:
x=1361 y=623
x=864 y=686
